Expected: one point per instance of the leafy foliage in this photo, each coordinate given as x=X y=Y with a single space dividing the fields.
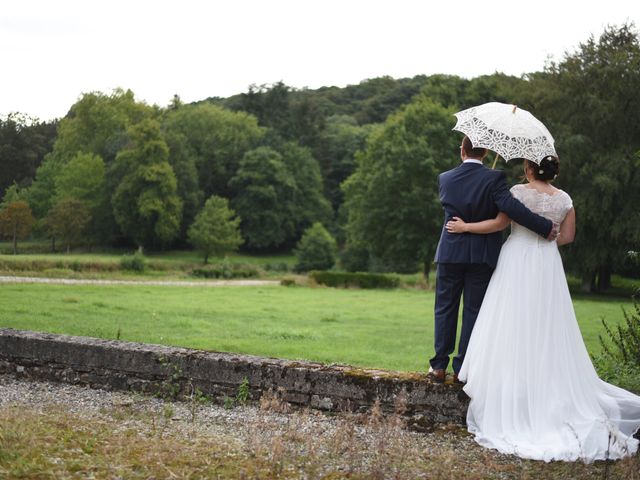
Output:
x=97 y=123
x=23 y=144
x=624 y=339
x=68 y=221
x=392 y=198
x=620 y=358
x=340 y=141
x=307 y=203
x=590 y=101
x=265 y=190
x=84 y=178
x=244 y=391
x=213 y=140
x=134 y=263
x=316 y=250
x=216 y=229
x=227 y=270
x=145 y=203
x=16 y=221
x=355 y=279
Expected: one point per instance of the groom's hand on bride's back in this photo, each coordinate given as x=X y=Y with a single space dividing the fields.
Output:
x=553 y=234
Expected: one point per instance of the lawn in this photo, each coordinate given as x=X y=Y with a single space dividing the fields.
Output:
x=390 y=329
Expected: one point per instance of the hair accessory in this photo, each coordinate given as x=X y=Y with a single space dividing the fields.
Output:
x=541 y=171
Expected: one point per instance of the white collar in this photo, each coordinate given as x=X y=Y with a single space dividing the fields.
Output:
x=472 y=160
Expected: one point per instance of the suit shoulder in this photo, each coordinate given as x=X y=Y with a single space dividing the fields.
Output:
x=495 y=175
x=445 y=175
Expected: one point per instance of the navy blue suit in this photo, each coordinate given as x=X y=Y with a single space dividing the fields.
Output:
x=465 y=261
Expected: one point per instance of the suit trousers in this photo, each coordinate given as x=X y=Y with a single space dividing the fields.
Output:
x=454 y=280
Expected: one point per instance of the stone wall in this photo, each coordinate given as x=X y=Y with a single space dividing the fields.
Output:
x=119 y=365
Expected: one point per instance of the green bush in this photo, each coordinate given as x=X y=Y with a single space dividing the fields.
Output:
x=355 y=279
x=619 y=361
x=277 y=267
x=316 y=250
x=30 y=265
x=288 y=282
x=133 y=263
x=226 y=270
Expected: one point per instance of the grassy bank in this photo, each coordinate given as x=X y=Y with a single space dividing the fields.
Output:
x=383 y=328
x=138 y=439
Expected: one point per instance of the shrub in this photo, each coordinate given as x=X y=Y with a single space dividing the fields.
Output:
x=226 y=270
x=134 y=263
x=355 y=279
x=29 y=265
x=316 y=250
x=619 y=361
x=277 y=267
x=288 y=282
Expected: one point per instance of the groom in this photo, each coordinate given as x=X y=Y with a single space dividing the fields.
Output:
x=465 y=262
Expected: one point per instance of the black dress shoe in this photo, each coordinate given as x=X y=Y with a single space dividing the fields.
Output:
x=437 y=374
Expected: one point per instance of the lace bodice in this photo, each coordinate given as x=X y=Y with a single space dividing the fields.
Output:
x=554 y=207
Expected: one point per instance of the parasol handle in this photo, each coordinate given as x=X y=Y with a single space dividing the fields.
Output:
x=495 y=160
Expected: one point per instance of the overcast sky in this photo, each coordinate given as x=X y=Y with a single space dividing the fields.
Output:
x=52 y=51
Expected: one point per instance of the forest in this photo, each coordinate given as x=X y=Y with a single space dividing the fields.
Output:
x=362 y=161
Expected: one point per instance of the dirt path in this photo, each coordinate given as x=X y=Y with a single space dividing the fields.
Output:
x=172 y=283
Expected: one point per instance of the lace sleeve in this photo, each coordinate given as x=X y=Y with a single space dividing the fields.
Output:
x=567 y=203
x=516 y=191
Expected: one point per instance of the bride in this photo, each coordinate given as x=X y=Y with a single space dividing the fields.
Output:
x=534 y=391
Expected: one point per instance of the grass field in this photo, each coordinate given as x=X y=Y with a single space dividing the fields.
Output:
x=372 y=328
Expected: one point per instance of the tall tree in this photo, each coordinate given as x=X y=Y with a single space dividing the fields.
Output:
x=307 y=204
x=146 y=204
x=83 y=178
x=184 y=162
x=68 y=221
x=392 y=198
x=340 y=141
x=214 y=139
x=96 y=124
x=24 y=142
x=265 y=189
x=16 y=221
x=216 y=229
x=590 y=101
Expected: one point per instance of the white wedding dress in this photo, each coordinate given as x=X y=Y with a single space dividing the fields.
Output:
x=534 y=391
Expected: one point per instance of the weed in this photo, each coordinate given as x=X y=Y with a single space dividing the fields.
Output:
x=229 y=402
x=167 y=411
x=171 y=387
x=243 y=392
x=196 y=399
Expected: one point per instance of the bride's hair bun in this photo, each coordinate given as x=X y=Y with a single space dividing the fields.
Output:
x=547 y=170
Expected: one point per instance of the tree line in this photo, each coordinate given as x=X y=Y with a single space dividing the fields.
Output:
x=360 y=160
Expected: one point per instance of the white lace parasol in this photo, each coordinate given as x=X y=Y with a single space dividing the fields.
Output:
x=507 y=130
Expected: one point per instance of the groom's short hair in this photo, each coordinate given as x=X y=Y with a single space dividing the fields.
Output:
x=471 y=152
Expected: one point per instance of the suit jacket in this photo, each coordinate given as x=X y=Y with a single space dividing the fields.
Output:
x=474 y=193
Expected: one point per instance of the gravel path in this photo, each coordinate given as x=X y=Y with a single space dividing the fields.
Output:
x=248 y=427
x=173 y=283
x=310 y=442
